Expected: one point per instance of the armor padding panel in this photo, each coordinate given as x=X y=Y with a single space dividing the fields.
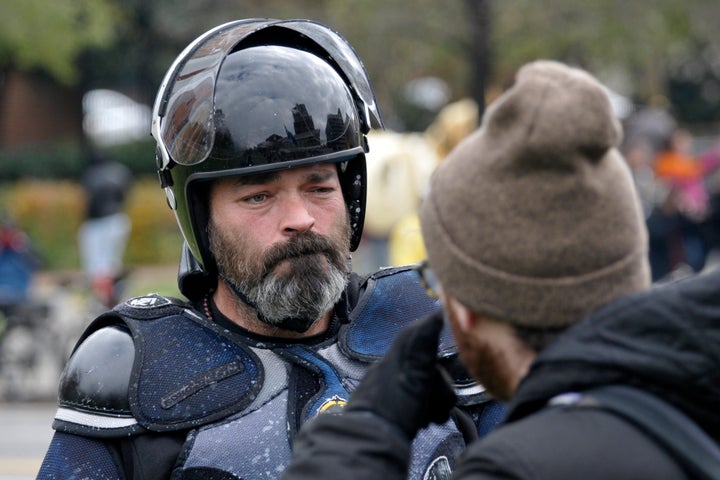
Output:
x=189 y=374
x=90 y=459
x=394 y=298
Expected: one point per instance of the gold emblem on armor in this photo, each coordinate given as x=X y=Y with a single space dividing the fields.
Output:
x=332 y=405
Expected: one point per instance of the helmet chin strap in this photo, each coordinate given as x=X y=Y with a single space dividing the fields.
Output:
x=299 y=325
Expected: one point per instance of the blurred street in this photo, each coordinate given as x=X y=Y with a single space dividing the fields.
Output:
x=32 y=355
x=26 y=435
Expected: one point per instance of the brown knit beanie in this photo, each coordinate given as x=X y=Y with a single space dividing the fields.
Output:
x=534 y=219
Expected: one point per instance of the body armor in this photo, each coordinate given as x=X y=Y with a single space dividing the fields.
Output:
x=237 y=402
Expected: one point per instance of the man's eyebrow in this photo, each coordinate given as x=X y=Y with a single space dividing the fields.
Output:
x=257 y=179
x=316 y=177
x=265 y=178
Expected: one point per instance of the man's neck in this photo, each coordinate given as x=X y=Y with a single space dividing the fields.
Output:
x=244 y=316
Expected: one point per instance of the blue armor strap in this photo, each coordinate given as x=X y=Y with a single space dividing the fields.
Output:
x=393 y=298
x=314 y=384
x=188 y=371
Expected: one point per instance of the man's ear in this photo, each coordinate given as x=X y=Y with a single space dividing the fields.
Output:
x=465 y=319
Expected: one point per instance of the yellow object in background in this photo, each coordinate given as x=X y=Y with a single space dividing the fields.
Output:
x=405 y=243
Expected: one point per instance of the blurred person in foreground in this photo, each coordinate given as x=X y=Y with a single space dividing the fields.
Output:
x=536 y=237
x=261 y=128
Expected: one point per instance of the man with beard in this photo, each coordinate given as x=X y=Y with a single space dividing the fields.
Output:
x=261 y=129
x=536 y=238
x=289 y=288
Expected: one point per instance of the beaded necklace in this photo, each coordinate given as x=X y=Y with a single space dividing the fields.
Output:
x=206 y=308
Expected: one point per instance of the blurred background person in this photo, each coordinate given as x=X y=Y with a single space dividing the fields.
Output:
x=453 y=123
x=678 y=226
x=18 y=264
x=103 y=235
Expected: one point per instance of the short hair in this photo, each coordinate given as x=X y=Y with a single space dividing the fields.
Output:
x=538 y=338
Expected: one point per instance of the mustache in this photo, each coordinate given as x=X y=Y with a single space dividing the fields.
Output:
x=307 y=243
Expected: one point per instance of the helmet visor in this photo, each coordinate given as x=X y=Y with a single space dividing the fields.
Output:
x=186 y=104
x=348 y=61
x=183 y=121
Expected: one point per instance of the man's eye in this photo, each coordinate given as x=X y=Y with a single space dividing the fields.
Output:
x=257 y=198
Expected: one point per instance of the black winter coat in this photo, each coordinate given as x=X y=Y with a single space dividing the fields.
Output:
x=665 y=341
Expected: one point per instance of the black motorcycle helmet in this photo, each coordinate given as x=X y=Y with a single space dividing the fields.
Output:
x=254 y=96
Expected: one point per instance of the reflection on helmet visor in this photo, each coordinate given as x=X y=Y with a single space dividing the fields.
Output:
x=305 y=110
x=187 y=130
x=187 y=105
x=346 y=58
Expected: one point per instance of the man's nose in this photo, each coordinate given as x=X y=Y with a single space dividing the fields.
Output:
x=296 y=216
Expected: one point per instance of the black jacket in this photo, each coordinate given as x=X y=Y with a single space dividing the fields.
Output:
x=665 y=341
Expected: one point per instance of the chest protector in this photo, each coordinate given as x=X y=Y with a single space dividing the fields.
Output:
x=240 y=401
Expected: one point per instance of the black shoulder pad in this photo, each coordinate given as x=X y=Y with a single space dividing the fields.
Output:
x=93 y=390
x=97 y=375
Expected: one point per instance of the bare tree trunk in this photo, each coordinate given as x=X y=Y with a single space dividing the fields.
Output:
x=479 y=52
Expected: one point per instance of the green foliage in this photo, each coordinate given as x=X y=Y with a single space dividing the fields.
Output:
x=66 y=160
x=41 y=161
x=640 y=39
x=155 y=237
x=139 y=157
x=51 y=212
x=631 y=46
x=50 y=35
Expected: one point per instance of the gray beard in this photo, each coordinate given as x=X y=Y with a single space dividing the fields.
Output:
x=302 y=294
x=306 y=295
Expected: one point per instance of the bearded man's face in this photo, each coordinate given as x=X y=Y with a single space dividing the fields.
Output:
x=283 y=240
